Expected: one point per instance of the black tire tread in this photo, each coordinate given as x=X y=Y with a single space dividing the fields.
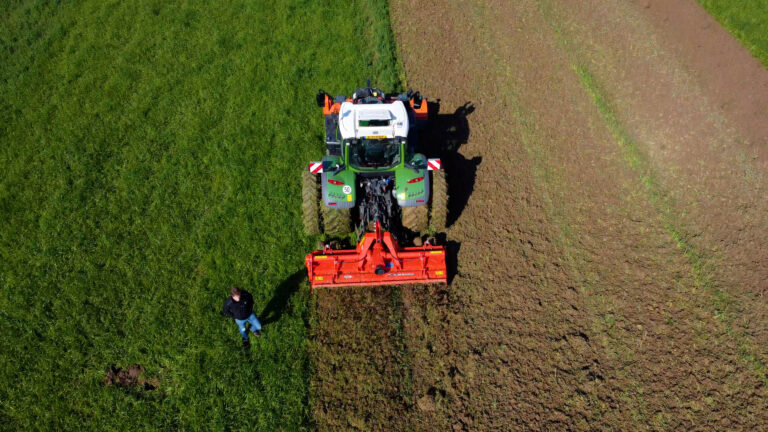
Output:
x=336 y=222
x=310 y=203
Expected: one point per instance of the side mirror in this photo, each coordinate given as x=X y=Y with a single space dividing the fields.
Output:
x=419 y=162
x=417 y=100
x=334 y=167
x=320 y=98
x=339 y=168
x=416 y=164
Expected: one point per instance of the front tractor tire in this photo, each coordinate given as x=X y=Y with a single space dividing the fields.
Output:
x=439 y=205
x=415 y=218
x=310 y=205
x=336 y=222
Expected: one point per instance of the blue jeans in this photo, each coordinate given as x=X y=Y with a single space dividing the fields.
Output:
x=255 y=325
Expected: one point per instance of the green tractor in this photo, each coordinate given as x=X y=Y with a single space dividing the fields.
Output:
x=371 y=172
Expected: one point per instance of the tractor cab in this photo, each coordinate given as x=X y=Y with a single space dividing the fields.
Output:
x=368 y=95
x=373 y=152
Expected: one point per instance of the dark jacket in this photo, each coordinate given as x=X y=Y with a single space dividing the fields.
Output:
x=241 y=309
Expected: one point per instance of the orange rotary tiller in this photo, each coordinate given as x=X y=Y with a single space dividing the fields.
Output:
x=377 y=260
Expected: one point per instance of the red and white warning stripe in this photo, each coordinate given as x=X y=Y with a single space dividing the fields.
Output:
x=434 y=164
x=315 y=167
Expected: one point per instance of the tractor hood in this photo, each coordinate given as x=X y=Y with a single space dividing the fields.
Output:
x=384 y=120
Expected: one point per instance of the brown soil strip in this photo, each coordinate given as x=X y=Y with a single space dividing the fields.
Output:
x=609 y=227
x=709 y=164
x=517 y=350
x=706 y=162
x=574 y=305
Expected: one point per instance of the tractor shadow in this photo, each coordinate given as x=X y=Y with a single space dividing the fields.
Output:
x=442 y=137
x=282 y=294
x=451 y=258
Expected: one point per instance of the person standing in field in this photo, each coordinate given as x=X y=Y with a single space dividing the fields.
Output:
x=240 y=307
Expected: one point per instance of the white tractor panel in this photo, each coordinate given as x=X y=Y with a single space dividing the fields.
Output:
x=395 y=115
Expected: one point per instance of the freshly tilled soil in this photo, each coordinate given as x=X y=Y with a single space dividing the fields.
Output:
x=609 y=232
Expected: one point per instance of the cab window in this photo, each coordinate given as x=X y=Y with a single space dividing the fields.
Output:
x=371 y=153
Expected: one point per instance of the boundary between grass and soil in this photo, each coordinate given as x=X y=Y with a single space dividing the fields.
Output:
x=746 y=20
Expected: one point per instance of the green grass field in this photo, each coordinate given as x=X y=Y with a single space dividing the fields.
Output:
x=149 y=160
x=747 y=20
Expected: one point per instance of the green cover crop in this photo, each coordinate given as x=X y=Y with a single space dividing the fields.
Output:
x=150 y=154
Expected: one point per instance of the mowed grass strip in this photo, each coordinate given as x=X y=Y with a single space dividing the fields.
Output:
x=149 y=160
x=746 y=20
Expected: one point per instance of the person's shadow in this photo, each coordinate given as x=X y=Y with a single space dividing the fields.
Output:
x=279 y=302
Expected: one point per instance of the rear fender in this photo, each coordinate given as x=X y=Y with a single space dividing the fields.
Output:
x=411 y=187
x=338 y=190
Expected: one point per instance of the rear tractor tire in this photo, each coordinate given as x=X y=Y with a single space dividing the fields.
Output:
x=310 y=205
x=439 y=203
x=415 y=218
x=337 y=222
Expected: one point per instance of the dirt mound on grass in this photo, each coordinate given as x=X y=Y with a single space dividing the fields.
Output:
x=131 y=377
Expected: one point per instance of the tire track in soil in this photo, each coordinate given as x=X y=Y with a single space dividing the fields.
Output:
x=592 y=317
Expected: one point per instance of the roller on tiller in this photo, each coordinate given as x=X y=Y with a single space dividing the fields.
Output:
x=372 y=174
